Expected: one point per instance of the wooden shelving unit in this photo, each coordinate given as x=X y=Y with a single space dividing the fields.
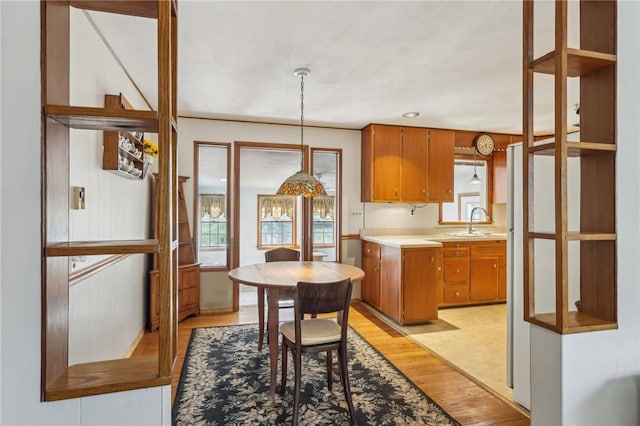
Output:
x=59 y=380
x=123 y=152
x=595 y=64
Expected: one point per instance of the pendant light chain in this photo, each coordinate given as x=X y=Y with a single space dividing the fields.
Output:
x=302 y=183
x=301 y=120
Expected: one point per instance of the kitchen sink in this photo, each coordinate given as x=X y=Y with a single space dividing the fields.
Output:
x=475 y=234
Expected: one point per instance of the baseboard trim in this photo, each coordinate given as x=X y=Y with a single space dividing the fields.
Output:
x=135 y=343
x=213 y=311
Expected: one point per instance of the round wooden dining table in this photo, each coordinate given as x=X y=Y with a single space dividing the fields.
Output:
x=273 y=276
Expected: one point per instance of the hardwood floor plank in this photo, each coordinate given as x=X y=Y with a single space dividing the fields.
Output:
x=465 y=400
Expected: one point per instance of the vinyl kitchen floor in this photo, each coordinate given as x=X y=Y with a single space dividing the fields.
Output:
x=473 y=339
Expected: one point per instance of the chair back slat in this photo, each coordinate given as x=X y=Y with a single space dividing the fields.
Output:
x=316 y=298
x=281 y=254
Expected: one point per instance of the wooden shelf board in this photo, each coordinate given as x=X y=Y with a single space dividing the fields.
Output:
x=579 y=322
x=575 y=236
x=591 y=236
x=142 y=8
x=579 y=62
x=126 y=174
x=574 y=149
x=103 y=119
x=100 y=377
x=542 y=235
x=89 y=248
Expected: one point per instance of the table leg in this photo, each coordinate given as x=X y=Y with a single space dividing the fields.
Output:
x=273 y=318
x=260 y=317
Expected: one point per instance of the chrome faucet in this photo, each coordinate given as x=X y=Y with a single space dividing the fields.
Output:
x=471 y=217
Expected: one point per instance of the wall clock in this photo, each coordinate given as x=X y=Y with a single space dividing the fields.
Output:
x=484 y=144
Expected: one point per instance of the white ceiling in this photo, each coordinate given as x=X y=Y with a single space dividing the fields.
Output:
x=457 y=63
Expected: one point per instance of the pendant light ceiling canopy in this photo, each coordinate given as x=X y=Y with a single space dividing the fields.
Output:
x=301 y=182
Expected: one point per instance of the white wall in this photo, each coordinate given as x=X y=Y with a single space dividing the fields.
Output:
x=20 y=250
x=215 y=287
x=598 y=373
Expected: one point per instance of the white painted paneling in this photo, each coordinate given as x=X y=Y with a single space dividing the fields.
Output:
x=546 y=377
x=106 y=311
x=134 y=408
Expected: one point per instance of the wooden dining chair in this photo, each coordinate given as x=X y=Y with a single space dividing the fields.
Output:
x=318 y=334
x=280 y=254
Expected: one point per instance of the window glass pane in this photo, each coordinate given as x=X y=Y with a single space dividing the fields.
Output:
x=212 y=204
x=277 y=217
x=326 y=167
x=467 y=195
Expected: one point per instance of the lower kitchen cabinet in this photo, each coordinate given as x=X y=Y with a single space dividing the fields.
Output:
x=420 y=272
x=370 y=285
x=474 y=273
x=402 y=283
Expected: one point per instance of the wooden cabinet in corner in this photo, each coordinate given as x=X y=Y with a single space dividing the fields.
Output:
x=188 y=269
x=406 y=164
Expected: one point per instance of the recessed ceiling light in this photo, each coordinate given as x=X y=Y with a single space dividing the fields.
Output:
x=410 y=114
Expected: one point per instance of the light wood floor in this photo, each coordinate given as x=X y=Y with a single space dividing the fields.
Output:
x=469 y=403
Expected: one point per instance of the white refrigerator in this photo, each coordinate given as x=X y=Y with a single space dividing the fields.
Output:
x=518 y=330
x=518 y=354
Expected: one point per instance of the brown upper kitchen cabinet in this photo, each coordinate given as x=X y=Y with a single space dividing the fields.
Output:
x=406 y=164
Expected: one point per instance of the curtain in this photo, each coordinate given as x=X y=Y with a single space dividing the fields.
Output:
x=324 y=206
x=277 y=206
x=212 y=205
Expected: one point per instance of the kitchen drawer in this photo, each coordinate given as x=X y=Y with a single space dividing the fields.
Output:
x=456 y=270
x=370 y=249
x=456 y=293
x=488 y=249
x=460 y=250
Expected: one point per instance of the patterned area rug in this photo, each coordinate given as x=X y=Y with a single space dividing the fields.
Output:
x=225 y=381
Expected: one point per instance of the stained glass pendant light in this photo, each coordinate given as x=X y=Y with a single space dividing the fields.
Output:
x=301 y=182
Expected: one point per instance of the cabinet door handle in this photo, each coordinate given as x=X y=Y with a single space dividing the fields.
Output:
x=457 y=293
x=433 y=259
x=495 y=266
x=457 y=271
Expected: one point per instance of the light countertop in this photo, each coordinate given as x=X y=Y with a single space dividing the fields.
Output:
x=428 y=240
